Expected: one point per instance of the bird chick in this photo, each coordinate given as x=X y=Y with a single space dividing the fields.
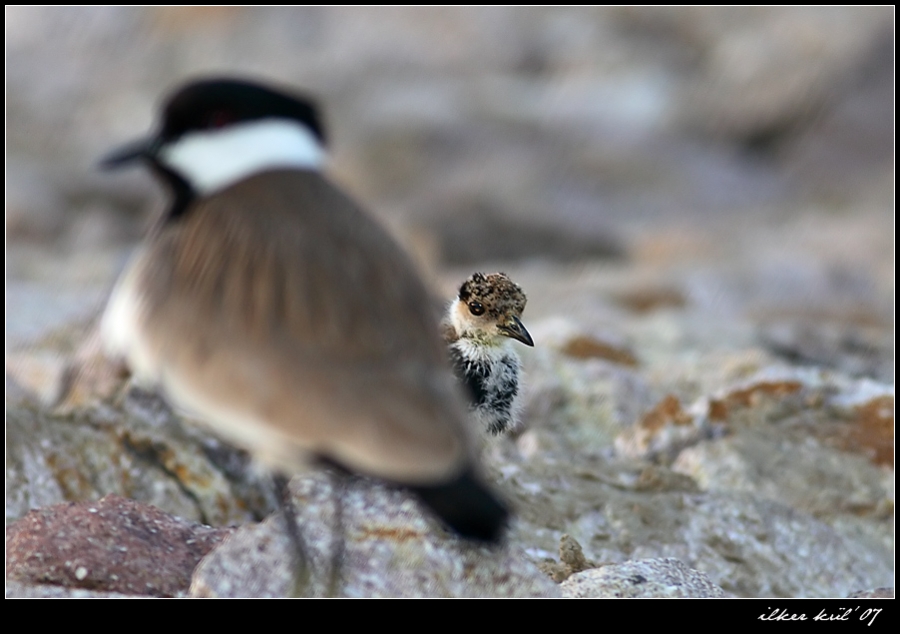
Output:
x=478 y=328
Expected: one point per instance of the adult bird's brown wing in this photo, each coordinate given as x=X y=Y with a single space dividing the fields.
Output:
x=283 y=314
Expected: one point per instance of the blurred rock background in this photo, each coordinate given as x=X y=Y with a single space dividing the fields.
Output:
x=698 y=202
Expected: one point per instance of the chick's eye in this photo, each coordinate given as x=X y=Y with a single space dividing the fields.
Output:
x=476 y=308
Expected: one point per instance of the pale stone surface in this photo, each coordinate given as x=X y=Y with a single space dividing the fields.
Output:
x=647 y=578
x=390 y=550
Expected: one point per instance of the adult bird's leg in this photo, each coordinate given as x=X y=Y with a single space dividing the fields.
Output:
x=302 y=567
x=339 y=479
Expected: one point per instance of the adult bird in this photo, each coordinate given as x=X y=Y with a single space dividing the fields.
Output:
x=269 y=305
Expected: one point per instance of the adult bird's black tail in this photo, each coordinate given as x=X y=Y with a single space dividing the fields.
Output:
x=467 y=507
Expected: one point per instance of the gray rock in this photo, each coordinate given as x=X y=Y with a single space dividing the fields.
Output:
x=646 y=578
x=390 y=549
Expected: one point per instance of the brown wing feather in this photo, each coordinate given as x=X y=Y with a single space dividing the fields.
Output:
x=279 y=301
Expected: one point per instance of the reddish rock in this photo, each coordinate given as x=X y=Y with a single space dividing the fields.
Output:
x=114 y=544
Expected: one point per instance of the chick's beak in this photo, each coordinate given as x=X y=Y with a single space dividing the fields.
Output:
x=516 y=330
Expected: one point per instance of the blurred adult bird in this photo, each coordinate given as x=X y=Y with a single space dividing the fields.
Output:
x=269 y=305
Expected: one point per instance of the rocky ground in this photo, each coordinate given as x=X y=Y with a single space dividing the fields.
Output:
x=698 y=203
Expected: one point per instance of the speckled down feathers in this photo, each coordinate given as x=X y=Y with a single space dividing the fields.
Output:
x=499 y=294
x=491 y=379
